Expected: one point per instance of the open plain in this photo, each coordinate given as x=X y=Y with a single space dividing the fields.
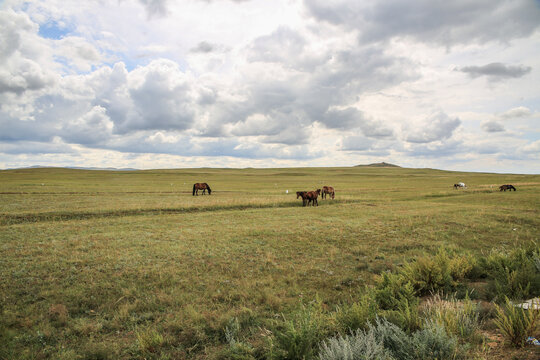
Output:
x=128 y=264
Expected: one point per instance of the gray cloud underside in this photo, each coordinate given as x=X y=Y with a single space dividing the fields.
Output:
x=443 y=22
x=497 y=70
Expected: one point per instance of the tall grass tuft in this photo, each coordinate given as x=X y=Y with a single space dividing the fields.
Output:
x=459 y=318
x=516 y=323
x=149 y=340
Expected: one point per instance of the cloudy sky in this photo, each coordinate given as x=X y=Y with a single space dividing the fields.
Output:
x=236 y=83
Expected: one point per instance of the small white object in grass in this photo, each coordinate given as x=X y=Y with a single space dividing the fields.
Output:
x=42 y=184
x=286 y=191
x=530 y=304
x=514 y=229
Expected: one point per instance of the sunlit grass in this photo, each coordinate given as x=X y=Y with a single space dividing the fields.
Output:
x=144 y=268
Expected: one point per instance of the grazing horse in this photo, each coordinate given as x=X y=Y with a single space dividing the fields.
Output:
x=328 y=190
x=302 y=194
x=459 y=185
x=312 y=197
x=201 y=186
x=506 y=187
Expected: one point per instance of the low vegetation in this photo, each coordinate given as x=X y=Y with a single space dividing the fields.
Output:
x=130 y=265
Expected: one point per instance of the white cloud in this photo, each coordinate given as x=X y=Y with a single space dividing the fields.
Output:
x=285 y=81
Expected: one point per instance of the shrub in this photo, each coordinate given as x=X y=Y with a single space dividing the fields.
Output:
x=459 y=318
x=432 y=342
x=358 y=345
x=300 y=335
x=516 y=323
x=430 y=274
x=392 y=290
x=513 y=274
x=357 y=315
x=393 y=338
x=407 y=316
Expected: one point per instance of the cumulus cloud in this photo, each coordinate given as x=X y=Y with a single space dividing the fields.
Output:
x=518 y=112
x=497 y=71
x=492 y=126
x=23 y=55
x=438 y=126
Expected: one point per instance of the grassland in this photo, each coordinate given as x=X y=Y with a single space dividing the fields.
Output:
x=105 y=264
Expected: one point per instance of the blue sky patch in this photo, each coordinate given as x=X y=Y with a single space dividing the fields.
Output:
x=51 y=30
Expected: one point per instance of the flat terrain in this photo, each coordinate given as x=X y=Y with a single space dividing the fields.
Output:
x=91 y=260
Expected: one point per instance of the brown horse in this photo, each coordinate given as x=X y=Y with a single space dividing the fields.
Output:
x=302 y=194
x=506 y=187
x=312 y=197
x=328 y=190
x=201 y=186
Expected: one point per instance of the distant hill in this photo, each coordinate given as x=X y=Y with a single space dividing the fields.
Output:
x=381 y=164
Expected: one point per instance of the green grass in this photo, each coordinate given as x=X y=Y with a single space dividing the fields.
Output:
x=146 y=270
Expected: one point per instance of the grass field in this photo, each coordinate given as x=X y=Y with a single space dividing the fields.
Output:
x=121 y=265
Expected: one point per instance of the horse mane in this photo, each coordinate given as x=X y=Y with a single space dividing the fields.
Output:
x=208 y=187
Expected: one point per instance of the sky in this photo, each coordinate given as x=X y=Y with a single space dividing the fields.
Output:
x=149 y=84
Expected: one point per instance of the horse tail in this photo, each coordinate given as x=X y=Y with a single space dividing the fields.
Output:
x=194 y=189
x=209 y=190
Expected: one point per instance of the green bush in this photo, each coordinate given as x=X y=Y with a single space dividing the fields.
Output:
x=407 y=315
x=298 y=337
x=515 y=322
x=430 y=274
x=513 y=274
x=392 y=289
x=357 y=315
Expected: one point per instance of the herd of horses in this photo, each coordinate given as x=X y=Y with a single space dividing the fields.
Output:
x=310 y=197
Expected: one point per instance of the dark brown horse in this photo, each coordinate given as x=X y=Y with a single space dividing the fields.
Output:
x=328 y=190
x=507 y=187
x=302 y=194
x=201 y=186
x=312 y=197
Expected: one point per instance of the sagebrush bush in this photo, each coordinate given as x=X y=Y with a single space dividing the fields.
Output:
x=432 y=342
x=393 y=338
x=459 y=318
x=357 y=345
x=516 y=323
